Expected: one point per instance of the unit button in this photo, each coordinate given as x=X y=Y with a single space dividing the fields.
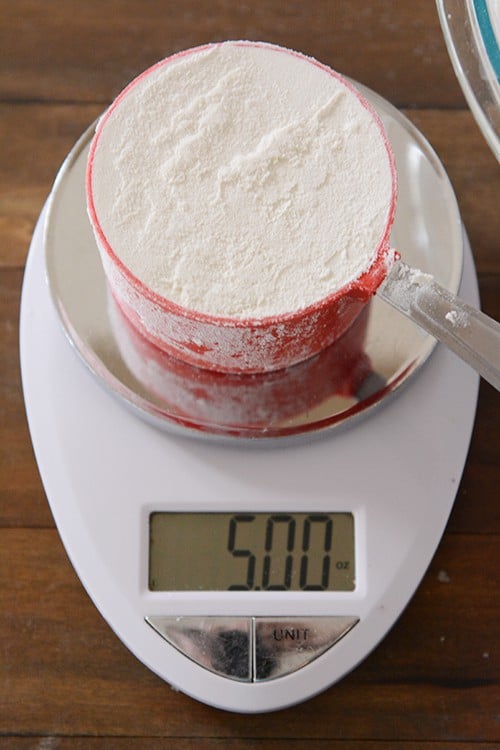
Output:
x=220 y=644
x=285 y=644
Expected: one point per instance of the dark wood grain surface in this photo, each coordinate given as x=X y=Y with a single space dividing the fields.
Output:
x=66 y=681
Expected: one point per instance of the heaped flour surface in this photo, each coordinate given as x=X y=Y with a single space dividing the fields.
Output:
x=242 y=181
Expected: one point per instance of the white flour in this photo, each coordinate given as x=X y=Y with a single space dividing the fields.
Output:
x=242 y=181
x=457 y=318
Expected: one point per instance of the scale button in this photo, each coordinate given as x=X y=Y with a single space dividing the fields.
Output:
x=285 y=644
x=220 y=644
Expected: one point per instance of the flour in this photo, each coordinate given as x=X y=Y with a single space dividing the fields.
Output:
x=401 y=284
x=457 y=318
x=242 y=181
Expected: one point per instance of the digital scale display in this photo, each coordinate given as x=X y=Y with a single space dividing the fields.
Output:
x=251 y=552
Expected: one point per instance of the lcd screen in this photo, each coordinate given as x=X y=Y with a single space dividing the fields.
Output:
x=251 y=552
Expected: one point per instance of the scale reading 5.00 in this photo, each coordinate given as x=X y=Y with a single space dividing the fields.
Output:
x=251 y=552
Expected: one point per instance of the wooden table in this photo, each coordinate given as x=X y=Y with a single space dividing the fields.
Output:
x=65 y=679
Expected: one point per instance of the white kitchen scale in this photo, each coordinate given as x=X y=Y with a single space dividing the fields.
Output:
x=244 y=562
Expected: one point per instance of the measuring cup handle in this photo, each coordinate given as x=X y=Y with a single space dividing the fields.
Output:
x=472 y=335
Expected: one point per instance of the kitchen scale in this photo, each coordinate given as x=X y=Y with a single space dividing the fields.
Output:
x=249 y=538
